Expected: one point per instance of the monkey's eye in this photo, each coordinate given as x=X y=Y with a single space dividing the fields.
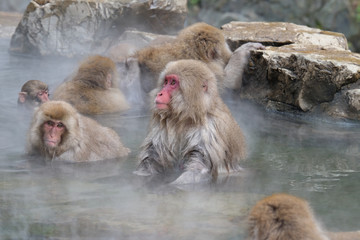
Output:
x=165 y=82
x=60 y=125
x=42 y=93
x=50 y=123
x=173 y=82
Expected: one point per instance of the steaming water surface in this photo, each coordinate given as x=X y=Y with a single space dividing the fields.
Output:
x=315 y=160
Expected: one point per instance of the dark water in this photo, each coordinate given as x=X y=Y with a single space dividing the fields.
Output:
x=315 y=160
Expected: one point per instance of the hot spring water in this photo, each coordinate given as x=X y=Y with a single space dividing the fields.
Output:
x=312 y=159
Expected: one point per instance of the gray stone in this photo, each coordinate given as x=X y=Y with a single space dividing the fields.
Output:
x=332 y=15
x=81 y=27
x=282 y=33
x=301 y=69
x=353 y=99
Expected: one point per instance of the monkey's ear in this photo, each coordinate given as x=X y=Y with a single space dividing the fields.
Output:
x=22 y=96
x=212 y=53
x=205 y=87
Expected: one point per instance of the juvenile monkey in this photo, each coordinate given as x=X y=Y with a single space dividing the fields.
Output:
x=93 y=89
x=286 y=217
x=33 y=93
x=191 y=132
x=59 y=132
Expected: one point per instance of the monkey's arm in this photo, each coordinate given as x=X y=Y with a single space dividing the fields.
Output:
x=196 y=168
x=148 y=165
x=239 y=59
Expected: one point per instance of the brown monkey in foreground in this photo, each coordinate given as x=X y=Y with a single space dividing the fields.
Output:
x=33 y=93
x=191 y=131
x=286 y=217
x=199 y=41
x=59 y=132
x=93 y=89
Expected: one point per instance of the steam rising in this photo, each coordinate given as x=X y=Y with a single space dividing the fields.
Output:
x=318 y=162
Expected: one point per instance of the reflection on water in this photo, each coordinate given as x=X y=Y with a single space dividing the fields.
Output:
x=311 y=159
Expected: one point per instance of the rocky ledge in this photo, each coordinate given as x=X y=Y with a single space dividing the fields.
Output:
x=80 y=27
x=302 y=69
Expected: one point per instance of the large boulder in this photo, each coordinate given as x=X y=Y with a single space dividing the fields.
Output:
x=332 y=15
x=79 y=27
x=302 y=69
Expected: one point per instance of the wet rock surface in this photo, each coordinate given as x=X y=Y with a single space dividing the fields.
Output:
x=76 y=27
x=301 y=70
x=282 y=33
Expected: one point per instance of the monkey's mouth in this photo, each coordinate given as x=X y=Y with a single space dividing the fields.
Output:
x=160 y=105
x=51 y=143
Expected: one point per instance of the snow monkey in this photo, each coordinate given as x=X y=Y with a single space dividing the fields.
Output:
x=286 y=217
x=192 y=132
x=199 y=41
x=33 y=93
x=93 y=89
x=59 y=132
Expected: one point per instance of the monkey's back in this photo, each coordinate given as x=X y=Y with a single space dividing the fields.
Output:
x=91 y=100
x=231 y=134
x=155 y=58
x=95 y=143
x=283 y=217
x=103 y=142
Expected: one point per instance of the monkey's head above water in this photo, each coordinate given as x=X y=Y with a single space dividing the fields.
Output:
x=188 y=90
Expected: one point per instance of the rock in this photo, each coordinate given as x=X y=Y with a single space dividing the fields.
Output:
x=144 y=38
x=332 y=15
x=301 y=69
x=55 y=27
x=132 y=40
x=282 y=33
x=353 y=99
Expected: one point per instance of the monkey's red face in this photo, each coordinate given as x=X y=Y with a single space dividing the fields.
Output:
x=43 y=96
x=171 y=83
x=53 y=131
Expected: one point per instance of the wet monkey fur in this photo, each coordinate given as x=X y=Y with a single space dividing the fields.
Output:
x=93 y=89
x=199 y=41
x=286 y=217
x=59 y=132
x=33 y=93
x=192 y=132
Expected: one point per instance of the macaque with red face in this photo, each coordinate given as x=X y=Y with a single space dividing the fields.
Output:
x=286 y=217
x=33 y=93
x=59 y=132
x=199 y=41
x=93 y=89
x=192 y=133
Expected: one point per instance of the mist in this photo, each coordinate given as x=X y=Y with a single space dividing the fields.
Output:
x=309 y=158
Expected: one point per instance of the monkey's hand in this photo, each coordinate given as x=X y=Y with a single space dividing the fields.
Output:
x=238 y=61
x=189 y=177
x=196 y=170
x=250 y=46
x=241 y=55
x=149 y=166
